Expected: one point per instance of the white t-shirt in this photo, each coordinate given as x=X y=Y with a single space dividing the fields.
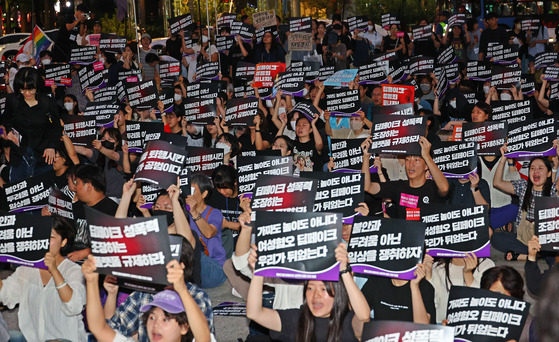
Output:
x=193 y=60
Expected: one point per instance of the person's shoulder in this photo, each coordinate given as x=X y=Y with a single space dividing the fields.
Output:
x=197 y=292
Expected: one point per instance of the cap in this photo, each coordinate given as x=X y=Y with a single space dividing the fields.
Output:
x=22 y=58
x=167 y=300
x=332 y=37
x=146 y=35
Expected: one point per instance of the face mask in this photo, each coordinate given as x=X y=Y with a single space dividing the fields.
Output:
x=505 y=97
x=226 y=148
x=205 y=39
x=46 y=61
x=486 y=89
x=177 y=97
x=167 y=214
x=281 y=110
x=356 y=125
x=425 y=87
x=108 y=145
x=305 y=92
x=452 y=103
x=370 y=27
x=69 y=106
x=293 y=124
x=361 y=34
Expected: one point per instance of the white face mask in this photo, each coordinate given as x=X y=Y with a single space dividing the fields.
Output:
x=269 y=103
x=356 y=125
x=226 y=148
x=424 y=87
x=486 y=89
x=370 y=27
x=305 y=92
x=46 y=61
x=281 y=110
x=452 y=103
x=505 y=97
x=69 y=106
x=177 y=97
x=361 y=34
x=293 y=124
x=205 y=39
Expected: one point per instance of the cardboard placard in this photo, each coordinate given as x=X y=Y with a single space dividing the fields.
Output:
x=389 y=248
x=203 y=159
x=265 y=74
x=83 y=55
x=225 y=19
x=300 y=41
x=546 y=223
x=199 y=111
x=241 y=112
x=341 y=78
x=139 y=133
x=160 y=164
x=532 y=138
x=291 y=83
x=60 y=204
x=107 y=94
x=422 y=32
x=501 y=54
x=348 y=156
x=180 y=23
x=343 y=102
x=393 y=94
x=298 y=245
x=359 y=22
x=505 y=76
x=206 y=89
x=264 y=19
x=399 y=109
x=142 y=95
x=29 y=194
x=527 y=84
x=82 y=130
x=391 y=331
x=306 y=108
x=302 y=24
x=489 y=135
x=250 y=168
x=456 y=159
x=134 y=248
x=374 y=73
x=397 y=134
x=478 y=71
x=104 y=112
x=25 y=239
x=511 y=111
x=245 y=70
x=112 y=42
x=224 y=43
x=284 y=193
x=91 y=78
x=60 y=74
x=485 y=316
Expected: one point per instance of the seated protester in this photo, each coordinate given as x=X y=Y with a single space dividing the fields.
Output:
x=356 y=130
x=283 y=144
x=211 y=131
x=452 y=108
x=70 y=107
x=331 y=311
x=207 y=223
x=446 y=272
x=256 y=137
x=175 y=123
x=168 y=315
x=90 y=186
x=401 y=192
x=61 y=165
x=268 y=50
x=230 y=146
x=50 y=300
x=107 y=153
x=308 y=145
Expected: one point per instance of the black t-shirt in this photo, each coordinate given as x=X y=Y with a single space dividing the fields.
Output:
x=394 y=303
x=306 y=157
x=230 y=207
x=65 y=40
x=107 y=206
x=425 y=47
x=498 y=35
x=174 y=48
x=404 y=196
x=290 y=325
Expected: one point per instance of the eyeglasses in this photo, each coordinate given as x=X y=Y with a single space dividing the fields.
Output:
x=30 y=91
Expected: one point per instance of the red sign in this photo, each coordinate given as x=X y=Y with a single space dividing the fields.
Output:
x=98 y=66
x=265 y=74
x=397 y=94
x=48 y=83
x=174 y=68
x=65 y=81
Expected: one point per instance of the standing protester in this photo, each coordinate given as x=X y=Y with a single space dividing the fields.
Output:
x=68 y=34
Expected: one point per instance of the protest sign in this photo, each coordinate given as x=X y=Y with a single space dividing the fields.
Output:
x=343 y=102
x=265 y=74
x=454 y=230
x=397 y=134
x=389 y=19
x=104 y=112
x=443 y=84
x=250 y=168
x=530 y=24
x=389 y=248
x=203 y=159
x=167 y=97
x=291 y=83
x=59 y=74
x=112 y=42
x=485 y=316
x=457 y=20
x=447 y=56
x=107 y=94
x=134 y=248
x=2 y=103
x=512 y=112
x=551 y=73
x=527 y=84
x=348 y=155
x=341 y=78
x=230 y=309
x=300 y=41
x=422 y=32
x=455 y=159
x=130 y=76
x=224 y=43
x=241 y=112
x=25 y=239
x=264 y=19
x=505 y=76
x=83 y=55
x=298 y=245
x=238 y=28
x=139 y=133
x=60 y=204
x=199 y=111
x=169 y=68
x=245 y=70
x=374 y=73
x=393 y=94
x=478 y=71
x=554 y=91
x=359 y=22
x=80 y=129
x=181 y=23
x=259 y=34
x=142 y=95
x=421 y=65
x=546 y=223
x=325 y=72
x=532 y=138
x=306 y=108
x=160 y=164
x=398 y=109
x=391 y=331
x=3 y=75
x=29 y=194
x=206 y=89
x=303 y=24
x=91 y=78
x=225 y=19
x=502 y=54
x=546 y=59
x=452 y=72
x=489 y=135
x=93 y=39
x=283 y=193
x=209 y=70
x=310 y=68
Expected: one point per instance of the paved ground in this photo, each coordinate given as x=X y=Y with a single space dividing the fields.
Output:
x=230 y=329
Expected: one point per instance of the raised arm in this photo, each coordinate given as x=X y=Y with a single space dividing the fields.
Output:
x=371 y=187
x=436 y=173
x=316 y=135
x=181 y=222
x=420 y=314
x=128 y=190
x=498 y=181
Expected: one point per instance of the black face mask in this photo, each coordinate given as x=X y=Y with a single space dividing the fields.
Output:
x=108 y=145
x=168 y=214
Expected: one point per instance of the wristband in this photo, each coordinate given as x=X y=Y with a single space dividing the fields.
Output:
x=257 y=131
x=58 y=287
x=554 y=170
x=347 y=269
x=475 y=189
x=511 y=164
x=197 y=218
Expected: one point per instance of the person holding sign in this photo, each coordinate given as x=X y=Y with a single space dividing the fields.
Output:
x=331 y=311
x=392 y=42
x=50 y=300
x=269 y=51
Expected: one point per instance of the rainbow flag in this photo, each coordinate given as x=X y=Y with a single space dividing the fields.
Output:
x=38 y=39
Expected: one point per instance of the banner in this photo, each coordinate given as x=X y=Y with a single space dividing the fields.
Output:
x=485 y=316
x=391 y=331
x=81 y=129
x=264 y=19
x=139 y=133
x=199 y=111
x=59 y=74
x=160 y=164
x=181 y=23
x=142 y=95
x=455 y=159
x=478 y=71
x=284 y=193
x=90 y=78
x=298 y=245
x=532 y=138
x=374 y=73
x=291 y=83
x=489 y=135
x=341 y=78
x=29 y=194
x=104 y=112
x=25 y=239
x=265 y=74
x=203 y=159
x=397 y=94
x=250 y=168
x=505 y=76
x=397 y=134
x=398 y=109
x=83 y=55
x=546 y=223
x=60 y=204
x=511 y=111
x=378 y=246
x=343 y=102
x=348 y=155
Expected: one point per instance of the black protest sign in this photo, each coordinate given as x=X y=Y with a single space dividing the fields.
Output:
x=397 y=70
x=107 y=94
x=532 y=138
x=139 y=133
x=303 y=24
x=238 y=28
x=209 y=70
x=422 y=32
x=501 y=54
x=397 y=134
x=151 y=191
x=104 y=112
x=457 y=20
x=489 y=135
x=511 y=111
x=81 y=129
x=60 y=204
x=456 y=159
x=399 y=109
x=389 y=248
x=167 y=97
x=112 y=42
x=121 y=91
x=359 y=22
x=338 y=193
x=224 y=43
x=454 y=230
x=83 y=55
x=29 y=194
x=245 y=70
x=206 y=89
x=91 y=78
x=2 y=75
x=505 y=76
x=478 y=71
x=25 y=239
x=546 y=224
x=203 y=159
x=2 y=103
x=160 y=164
x=374 y=73
x=342 y=102
x=130 y=76
x=452 y=72
x=554 y=91
x=546 y=59
x=306 y=108
x=392 y=331
x=230 y=309
x=420 y=65
x=348 y=155
x=199 y=111
x=527 y=84
x=471 y=97
x=386 y=56
x=59 y=74
x=447 y=56
x=134 y=248
x=180 y=23
x=298 y=245
x=291 y=83
x=389 y=19
x=530 y=24
x=261 y=31
x=551 y=73
x=241 y=112
x=443 y=84
x=310 y=68
x=250 y=168
x=142 y=95
x=325 y=72
x=284 y=193
x=225 y=19
x=485 y=316
x=169 y=68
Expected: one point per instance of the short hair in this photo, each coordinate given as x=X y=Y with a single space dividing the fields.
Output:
x=203 y=182
x=152 y=57
x=132 y=46
x=82 y=8
x=26 y=78
x=72 y=97
x=92 y=174
x=230 y=138
x=288 y=141
x=179 y=317
x=64 y=227
x=64 y=154
x=225 y=29
x=110 y=57
x=486 y=108
x=510 y=278
x=491 y=15
x=45 y=53
x=225 y=177
x=244 y=17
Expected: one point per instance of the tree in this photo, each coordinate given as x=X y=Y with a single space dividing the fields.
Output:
x=409 y=11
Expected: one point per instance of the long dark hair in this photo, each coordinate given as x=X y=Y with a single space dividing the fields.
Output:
x=547 y=310
x=510 y=278
x=115 y=134
x=546 y=186
x=305 y=331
